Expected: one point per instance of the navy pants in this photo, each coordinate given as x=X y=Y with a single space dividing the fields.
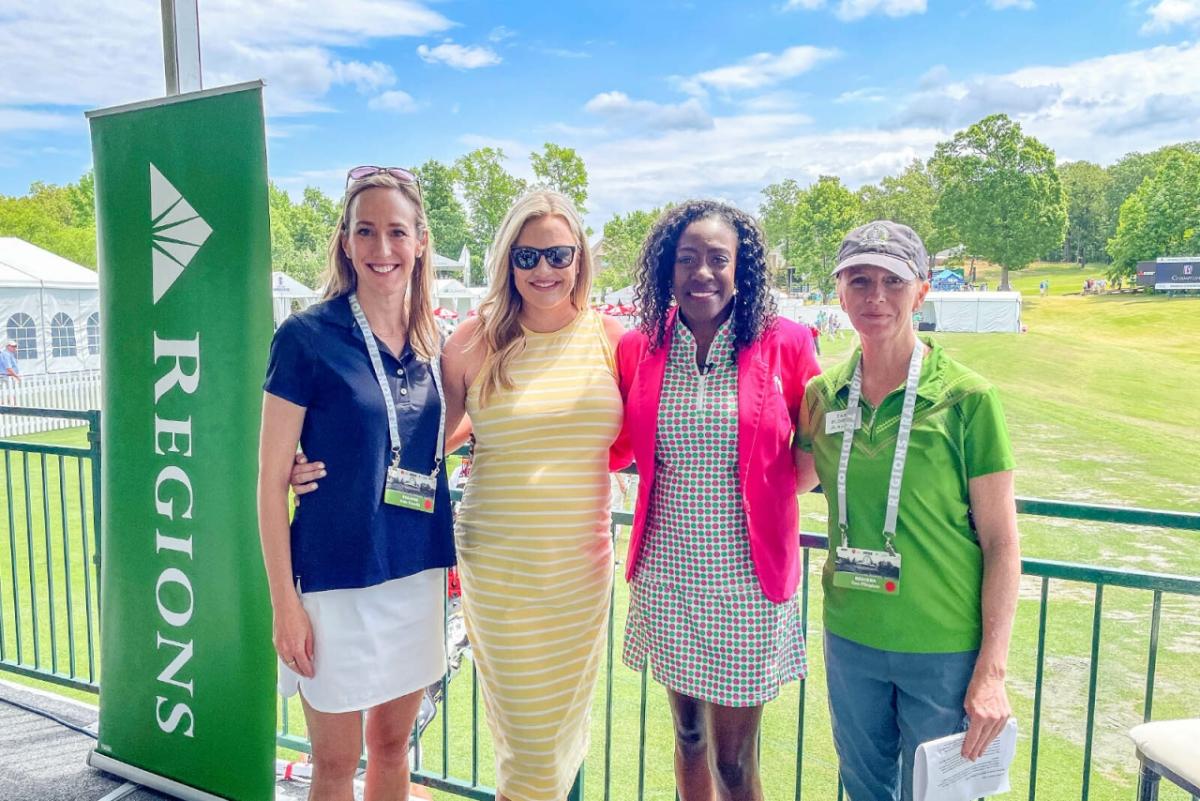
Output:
x=883 y=705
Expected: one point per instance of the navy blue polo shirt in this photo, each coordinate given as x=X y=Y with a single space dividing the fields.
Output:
x=344 y=535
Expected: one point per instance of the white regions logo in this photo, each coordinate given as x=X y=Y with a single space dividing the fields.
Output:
x=178 y=232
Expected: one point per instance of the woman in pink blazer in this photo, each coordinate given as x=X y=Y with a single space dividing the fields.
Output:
x=712 y=382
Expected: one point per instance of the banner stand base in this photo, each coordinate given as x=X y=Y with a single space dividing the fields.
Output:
x=147 y=779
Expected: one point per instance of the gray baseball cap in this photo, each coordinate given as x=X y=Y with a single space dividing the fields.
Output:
x=885 y=244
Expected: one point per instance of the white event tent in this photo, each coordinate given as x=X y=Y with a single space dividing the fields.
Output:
x=983 y=312
x=289 y=295
x=50 y=307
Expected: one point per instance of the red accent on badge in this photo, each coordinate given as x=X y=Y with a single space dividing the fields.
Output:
x=428 y=504
x=890 y=586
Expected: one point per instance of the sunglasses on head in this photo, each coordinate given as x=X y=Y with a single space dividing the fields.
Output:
x=558 y=257
x=367 y=170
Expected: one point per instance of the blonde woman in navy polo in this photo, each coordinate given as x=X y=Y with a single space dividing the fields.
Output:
x=357 y=579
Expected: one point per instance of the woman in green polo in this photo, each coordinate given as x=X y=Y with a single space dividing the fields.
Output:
x=924 y=564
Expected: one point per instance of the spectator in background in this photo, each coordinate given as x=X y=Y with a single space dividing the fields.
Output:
x=8 y=362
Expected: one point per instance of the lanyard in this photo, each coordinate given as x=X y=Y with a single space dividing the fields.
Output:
x=902 y=437
x=435 y=368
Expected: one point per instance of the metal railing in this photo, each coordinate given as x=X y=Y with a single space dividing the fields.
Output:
x=49 y=546
x=49 y=630
x=77 y=390
x=461 y=774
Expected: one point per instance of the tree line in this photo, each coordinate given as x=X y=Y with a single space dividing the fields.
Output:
x=991 y=189
x=1000 y=195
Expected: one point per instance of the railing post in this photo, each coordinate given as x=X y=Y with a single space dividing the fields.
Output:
x=576 y=793
x=93 y=436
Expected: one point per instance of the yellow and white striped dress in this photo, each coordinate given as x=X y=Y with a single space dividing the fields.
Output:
x=535 y=555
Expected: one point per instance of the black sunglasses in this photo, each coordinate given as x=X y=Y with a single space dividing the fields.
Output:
x=367 y=170
x=558 y=257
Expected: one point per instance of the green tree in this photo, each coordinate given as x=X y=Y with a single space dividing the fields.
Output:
x=447 y=219
x=1128 y=173
x=1001 y=192
x=300 y=233
x=823 y=214
x=1161 y=217
x=561 y=169
x=624 y=235
x=489 y=190
x=1085 y=186
x=908 y=198
x=775 y=215
x=60 y=219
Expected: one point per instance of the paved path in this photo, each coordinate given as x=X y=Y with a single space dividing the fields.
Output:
x=44 y=760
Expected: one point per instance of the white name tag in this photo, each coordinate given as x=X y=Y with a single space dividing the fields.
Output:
x=844 y=420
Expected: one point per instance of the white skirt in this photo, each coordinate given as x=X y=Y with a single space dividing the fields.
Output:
x=374 y=644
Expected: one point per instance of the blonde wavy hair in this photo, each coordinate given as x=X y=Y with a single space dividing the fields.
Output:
x=340 y=279
x=500 y=329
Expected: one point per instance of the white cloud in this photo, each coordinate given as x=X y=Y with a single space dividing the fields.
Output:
x=736 y=158
x=19 y=119
x=624 y=110
x=868 y=94
x=770 y=102
x=365 y=77
x=850 y=10
x=500 y=33
x=394 y=100
x=961 y=103
x=462 y=57
x=1000 y=5
x=240 y=41
x=1097 y=109
x=563 y=52
x=1166 y=14
x=758 y=70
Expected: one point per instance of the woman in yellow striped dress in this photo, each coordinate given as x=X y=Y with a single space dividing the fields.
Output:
x=535 y=371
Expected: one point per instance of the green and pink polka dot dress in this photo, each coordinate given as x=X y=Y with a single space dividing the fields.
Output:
x=696 y=610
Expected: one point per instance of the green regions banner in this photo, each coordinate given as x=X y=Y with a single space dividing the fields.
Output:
x=187 y=700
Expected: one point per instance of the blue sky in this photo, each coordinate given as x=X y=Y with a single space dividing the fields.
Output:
x=664 y=100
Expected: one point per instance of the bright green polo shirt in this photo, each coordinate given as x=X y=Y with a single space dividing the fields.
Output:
x=958 y=434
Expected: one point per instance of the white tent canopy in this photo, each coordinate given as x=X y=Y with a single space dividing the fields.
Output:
x=49 y=306
x=450 y=293
x=289 y=295
x=984 y=312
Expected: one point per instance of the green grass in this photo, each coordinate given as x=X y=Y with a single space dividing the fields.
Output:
x=1100 y=400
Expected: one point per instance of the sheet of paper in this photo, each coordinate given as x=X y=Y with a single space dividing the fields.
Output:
x=940 y=773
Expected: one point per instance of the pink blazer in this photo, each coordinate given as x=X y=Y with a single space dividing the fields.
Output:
x=772 y=373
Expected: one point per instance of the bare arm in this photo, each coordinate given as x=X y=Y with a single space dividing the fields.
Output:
x=806 y=466
x=994 y=508
x=461 y=362
x=281 y=425
x=457 y=364
x=613 y=330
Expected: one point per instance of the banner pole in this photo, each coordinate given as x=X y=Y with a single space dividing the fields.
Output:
x=181 y=46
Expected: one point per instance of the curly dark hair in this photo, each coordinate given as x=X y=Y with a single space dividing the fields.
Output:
x=754 y=307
